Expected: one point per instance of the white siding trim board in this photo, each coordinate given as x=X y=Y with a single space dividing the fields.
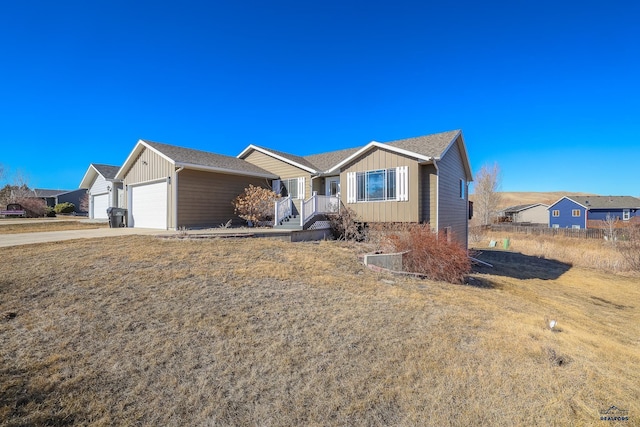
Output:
x=402 y=186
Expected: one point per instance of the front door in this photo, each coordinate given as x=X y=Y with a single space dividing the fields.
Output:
x=333 y=186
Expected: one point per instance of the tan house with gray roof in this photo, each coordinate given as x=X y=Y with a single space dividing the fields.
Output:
x=423 y=179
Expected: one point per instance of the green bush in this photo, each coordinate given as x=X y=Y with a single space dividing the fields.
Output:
x=49 y=212
x=65 y=207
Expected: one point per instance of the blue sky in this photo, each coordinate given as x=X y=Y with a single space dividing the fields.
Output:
x=549 y=90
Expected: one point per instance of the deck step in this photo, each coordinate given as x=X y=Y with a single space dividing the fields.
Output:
x=291 y=223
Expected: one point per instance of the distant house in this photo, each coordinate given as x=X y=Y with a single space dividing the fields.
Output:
x=54 y=197
x=103 y=188
x=534 y=214
x=590 y=211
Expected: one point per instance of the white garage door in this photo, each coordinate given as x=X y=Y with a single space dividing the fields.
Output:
x=100 y=204
x=149 y=205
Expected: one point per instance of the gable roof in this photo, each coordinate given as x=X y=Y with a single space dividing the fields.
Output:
x=424 y=148
x=428 y=148
x=194 y=159
x=605 y=202
x=324 y=161
x=108 y=172
x=520 y=208
x=297 y=161
x=42 y=192
x=433 y=146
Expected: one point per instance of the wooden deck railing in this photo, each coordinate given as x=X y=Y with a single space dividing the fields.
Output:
x=318 y=204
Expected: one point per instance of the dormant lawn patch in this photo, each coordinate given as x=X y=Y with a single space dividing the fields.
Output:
x=139 y=330
x=7 y=227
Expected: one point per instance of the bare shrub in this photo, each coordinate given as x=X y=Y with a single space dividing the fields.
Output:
x=345 y=226
x=25 y=197
x=256 y=204
x=630 y=247
x=430 y=254
x=35 y=207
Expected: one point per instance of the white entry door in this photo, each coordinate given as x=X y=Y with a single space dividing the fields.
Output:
x=149 y=205
x=333 y=186
x=99 y=203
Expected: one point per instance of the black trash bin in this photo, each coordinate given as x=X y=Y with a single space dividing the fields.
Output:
x=117 y=217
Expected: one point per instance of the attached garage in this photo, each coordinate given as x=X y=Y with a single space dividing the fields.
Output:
x=149 y=205
x=99 y=205
x=102 y=188
x=169 y=187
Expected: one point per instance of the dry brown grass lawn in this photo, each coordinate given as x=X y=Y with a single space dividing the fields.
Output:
x=9 y=227
x=138 y=330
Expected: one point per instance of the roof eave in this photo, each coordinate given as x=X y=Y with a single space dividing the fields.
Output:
x=465 y=154
x=140 y=145
x=225 y=170
x=375 y=144
x=86 y=180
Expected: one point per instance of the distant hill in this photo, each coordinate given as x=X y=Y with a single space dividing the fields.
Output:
x=513 y=198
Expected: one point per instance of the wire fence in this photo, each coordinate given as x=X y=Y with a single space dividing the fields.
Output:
x=582 y=233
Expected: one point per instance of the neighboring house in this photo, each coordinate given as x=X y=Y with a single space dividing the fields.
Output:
x=103 y=188
x=534 y=214
x=423 y=179
x=590 y=211
x=54 y=197
x=420 y=180
x=169 y=187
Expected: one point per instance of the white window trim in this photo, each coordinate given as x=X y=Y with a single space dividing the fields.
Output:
x=301 y=188
x=402 y=186
x=402 y=183
x=555 y=213
x=277 y=186
x=626 y=214
x=352 y=185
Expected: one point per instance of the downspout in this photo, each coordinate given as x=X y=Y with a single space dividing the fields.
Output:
x=586 y=217
x=437 y=196
x=175 y=197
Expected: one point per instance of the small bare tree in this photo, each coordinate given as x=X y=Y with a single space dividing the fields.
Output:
x=609 y=225
x=486 y=185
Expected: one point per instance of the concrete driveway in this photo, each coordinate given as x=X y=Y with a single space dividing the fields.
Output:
x=7 y=240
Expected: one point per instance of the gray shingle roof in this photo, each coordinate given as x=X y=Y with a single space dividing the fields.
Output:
x=428 y=145
x=206 y=159
x=296 y=159
x=107 y=171
x=607 y=202
x=41 y=192
x=325 y=161
x=519 y=208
